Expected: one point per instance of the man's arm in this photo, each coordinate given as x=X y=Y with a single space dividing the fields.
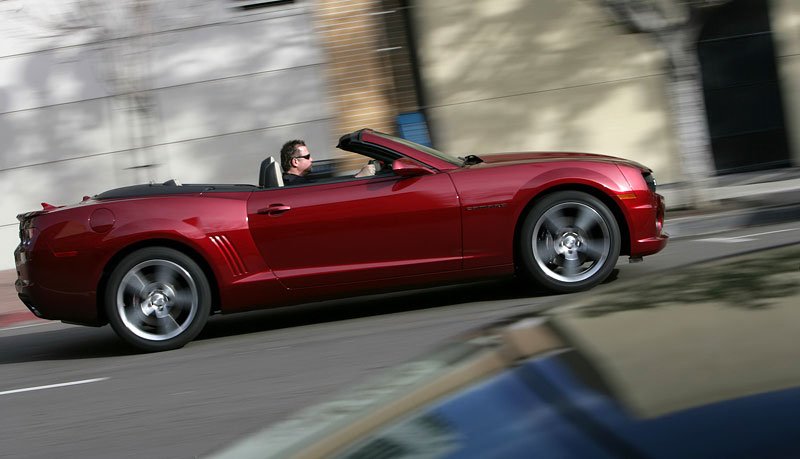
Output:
x=371 y=168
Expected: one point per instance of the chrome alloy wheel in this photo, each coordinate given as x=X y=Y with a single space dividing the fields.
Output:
x=157 y=300
x=571 y=242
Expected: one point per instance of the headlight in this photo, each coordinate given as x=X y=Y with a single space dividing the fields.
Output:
x=651 y=181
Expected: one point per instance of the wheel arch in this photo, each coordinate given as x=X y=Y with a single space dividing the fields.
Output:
x=613 y=206
x=157 y=242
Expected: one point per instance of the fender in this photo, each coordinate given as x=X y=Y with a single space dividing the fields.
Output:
x=611 y=183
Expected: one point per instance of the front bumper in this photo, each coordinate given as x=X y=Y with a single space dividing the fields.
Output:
x=651 y=245
x=648 y=236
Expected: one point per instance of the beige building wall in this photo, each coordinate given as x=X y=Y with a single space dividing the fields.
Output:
x=522 y=75
x=786 y=33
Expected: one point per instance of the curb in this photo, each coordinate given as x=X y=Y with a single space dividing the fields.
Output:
x=18 y=318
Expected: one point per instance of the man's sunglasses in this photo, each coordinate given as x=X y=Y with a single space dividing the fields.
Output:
x=304 y=157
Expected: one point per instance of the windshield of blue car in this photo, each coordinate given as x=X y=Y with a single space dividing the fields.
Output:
x=433 y=152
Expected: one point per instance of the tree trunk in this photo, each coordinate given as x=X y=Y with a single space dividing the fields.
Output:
x=685 y=92
x=676 y=30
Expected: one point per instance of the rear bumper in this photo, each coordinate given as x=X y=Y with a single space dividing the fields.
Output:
x=25 y=296
x=49 y=303
x=23 y=284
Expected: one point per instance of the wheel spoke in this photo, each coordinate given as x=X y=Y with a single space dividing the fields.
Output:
x=585 y=219
x=571 y=267
x=167 y=325
x=554 y=223
x=592 y=248
x=135 y=283
x=182 y=301
x=165 y=275
x=135 y=315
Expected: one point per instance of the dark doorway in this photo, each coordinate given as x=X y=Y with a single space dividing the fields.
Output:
x=741 y=88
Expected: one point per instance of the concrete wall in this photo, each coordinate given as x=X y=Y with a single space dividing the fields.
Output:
x=786 y=33
x=521 y=75
x=226 y=90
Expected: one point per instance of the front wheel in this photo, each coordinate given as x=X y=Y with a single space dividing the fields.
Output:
x=569 y=242
x=157 y=299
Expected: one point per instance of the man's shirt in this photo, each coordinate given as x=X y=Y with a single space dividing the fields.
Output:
x=292 y=179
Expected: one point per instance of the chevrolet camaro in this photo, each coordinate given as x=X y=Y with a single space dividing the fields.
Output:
x=156 y=260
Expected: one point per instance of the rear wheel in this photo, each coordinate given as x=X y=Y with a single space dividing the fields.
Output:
x=157 y=299
x=569 y=242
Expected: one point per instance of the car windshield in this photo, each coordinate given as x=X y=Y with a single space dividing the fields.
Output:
x=433 y=152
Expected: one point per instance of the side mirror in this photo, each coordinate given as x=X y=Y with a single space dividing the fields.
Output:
x=405 y=167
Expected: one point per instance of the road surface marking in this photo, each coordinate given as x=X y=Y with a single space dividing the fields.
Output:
x=727 y=240
x=746 y=237
x=52 y=386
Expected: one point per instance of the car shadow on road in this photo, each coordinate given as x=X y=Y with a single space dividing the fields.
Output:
x=73 y=343
x=370 y=306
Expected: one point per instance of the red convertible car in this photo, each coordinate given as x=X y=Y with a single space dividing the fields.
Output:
x=155 y=261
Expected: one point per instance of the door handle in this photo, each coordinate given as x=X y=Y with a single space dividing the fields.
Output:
x=274 y=209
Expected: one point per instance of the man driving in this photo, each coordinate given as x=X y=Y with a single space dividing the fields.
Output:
x=297 y=163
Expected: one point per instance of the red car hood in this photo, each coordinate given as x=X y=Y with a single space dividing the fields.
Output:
x=538 y=157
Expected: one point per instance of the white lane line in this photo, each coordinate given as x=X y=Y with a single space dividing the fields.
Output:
x=51 y=386
x=727 y=240
x=771 y=232
x=745 y=237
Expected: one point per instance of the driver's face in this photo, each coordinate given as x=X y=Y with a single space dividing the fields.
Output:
x=302 y=160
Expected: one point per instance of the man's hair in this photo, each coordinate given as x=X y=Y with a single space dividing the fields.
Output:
x=287 y=152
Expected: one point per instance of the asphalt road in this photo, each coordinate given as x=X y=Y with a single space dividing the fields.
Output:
x=78 y=392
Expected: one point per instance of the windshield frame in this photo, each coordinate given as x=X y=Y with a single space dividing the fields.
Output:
x=427 y=150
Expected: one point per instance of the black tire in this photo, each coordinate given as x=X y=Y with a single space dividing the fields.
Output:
x=569 y=242
x=157 y=299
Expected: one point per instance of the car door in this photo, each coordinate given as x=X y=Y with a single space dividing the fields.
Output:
x=359 y=230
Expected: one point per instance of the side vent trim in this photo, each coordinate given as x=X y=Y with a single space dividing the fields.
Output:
x=229 y=253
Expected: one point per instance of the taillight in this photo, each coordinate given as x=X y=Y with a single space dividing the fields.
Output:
x=27 y=232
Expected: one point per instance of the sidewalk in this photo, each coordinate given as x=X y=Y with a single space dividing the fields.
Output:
x=741 y=200
x=12 y=311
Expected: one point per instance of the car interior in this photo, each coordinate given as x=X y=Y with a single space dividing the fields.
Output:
x=325 y=171
x=270 y=174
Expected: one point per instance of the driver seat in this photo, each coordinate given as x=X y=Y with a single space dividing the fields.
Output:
x=270 y=175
